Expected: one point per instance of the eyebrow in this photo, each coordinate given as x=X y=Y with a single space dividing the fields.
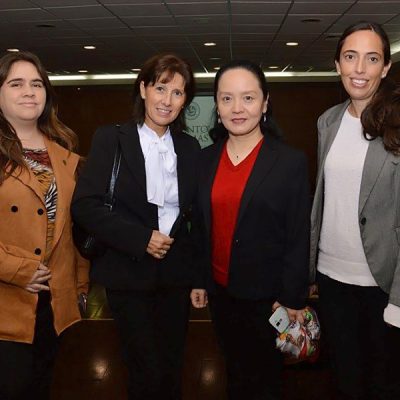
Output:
x=21 y=79
x=244 y=92
x=368 y=53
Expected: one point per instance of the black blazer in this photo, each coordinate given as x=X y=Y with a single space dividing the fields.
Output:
x=127 y=229
x=270 y=248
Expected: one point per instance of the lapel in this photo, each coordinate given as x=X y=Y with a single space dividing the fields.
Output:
x=374 y=161
x=183 y=168
x=328 y=133
x=130 y=147
x=209 y=173
x=64 y=164
x=26 y=176
x=266 y=159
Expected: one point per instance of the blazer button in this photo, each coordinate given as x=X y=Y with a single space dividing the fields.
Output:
x=38 y=251
x=237 y=241
x=40 y=211
x=363 y=220
x=14 y=208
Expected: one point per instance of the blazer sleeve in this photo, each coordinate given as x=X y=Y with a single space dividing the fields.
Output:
x=296 y=258
x=16 y=265
x=88 y=209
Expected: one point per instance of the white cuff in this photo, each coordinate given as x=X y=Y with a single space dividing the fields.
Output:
x=391 y=315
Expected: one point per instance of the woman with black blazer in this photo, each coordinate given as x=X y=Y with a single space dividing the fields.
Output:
x=253 y=207
x=146 y=268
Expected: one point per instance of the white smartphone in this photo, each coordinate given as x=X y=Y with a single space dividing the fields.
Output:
x=280 y=319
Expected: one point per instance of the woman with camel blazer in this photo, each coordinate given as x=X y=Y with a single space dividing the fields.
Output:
x=41 y=272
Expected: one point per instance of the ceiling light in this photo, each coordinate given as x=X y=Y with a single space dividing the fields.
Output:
x=210 y=44
x=135 y=69
x=13 y=50
x=89 y=47
x=292 y=44
x=215 y=58
x=273 y=67
x=83 y=71
x=217 y=68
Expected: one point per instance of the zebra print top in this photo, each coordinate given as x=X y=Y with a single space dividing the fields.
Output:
x=38 y=161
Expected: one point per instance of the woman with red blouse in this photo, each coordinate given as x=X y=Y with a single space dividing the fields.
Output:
x=253 y=231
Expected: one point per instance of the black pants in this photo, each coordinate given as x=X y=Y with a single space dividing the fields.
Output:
x=26 y=369
x=359 y=340
x=248 y=343
x=152 y=327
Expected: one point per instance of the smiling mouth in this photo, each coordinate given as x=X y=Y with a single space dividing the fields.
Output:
x=238 y=120
x=163 y=111
x=358 y=82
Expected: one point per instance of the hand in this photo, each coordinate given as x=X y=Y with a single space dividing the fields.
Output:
x=41 y=275
x=159 y=244
x=199 y=298
x=294 y=315
x=313 y=291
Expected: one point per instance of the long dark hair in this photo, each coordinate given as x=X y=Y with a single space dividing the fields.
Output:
x=151 y=72
x=11 y=156
x=267 y=124
x=380 y=118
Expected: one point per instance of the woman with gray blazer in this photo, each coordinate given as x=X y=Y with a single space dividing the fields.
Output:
x=355 y=222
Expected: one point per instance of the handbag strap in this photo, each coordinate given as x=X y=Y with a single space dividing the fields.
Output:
x=109 y=196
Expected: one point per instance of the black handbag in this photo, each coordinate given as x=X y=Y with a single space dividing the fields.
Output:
x=86 y=243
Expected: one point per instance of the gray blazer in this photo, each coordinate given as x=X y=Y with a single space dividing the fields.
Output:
x=378 y=207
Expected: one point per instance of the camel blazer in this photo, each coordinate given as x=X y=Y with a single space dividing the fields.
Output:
x=378 y=207
x=23 y=231
x=126 y=230
x=269 y=256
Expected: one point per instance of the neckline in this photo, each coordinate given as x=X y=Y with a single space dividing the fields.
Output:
x=40 y=150
x=246 y=159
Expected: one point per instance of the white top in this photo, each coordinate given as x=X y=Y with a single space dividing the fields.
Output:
x=341 y=253
x=161 y=175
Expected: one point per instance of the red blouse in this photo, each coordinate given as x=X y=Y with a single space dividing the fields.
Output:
x=229 y=183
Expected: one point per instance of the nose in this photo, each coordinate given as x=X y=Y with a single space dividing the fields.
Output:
x=360 y=65
x=237 y=106
x=29 y=91
x=167 y=98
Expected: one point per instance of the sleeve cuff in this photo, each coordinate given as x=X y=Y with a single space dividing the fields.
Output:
x=391 y=315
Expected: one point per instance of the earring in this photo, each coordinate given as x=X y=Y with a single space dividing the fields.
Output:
x=265 y=117
x=219 y=120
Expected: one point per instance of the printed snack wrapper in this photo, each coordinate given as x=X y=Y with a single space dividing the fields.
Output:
x=301 y=342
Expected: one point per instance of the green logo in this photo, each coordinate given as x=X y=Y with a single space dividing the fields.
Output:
x=192 y=111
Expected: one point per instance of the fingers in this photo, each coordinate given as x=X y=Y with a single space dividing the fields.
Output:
x=300 y=317
x=159 y=245
x=199 y=298
x=295 y=315
x=275 y=306
x=36 y=287
x=40 y=276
